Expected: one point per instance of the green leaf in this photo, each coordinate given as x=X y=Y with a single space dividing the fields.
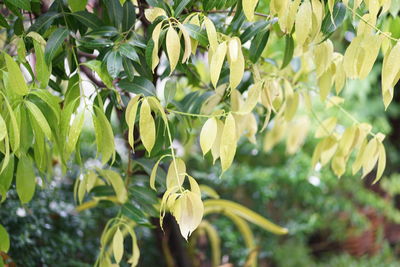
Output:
x=105 y=31
x=55 y=41
x=37 y=115
x=104 y=135
x=129 y=51
x=339 y=14
x=117 y=183
x=43 y=22
x=135 y=214
x=114 y=63
x=88 y=19
x=23 y=4
x=25 y=180
x=197 y=33
x=3 y=128
x=114 y=10
x=128 y=68
x=43 y=71
x=289 y=48
x=77 y=5
x=180 y=6
x=14 y=129
x=258 y=45
x=253 y=30
x=139 y=85
x=51 y=100
x=16 y=80
x=3 y=22
x=74 y=132
x=4 y=240
x=6 y=176
x=101 y=70
x=129 y=16
x=169 y=91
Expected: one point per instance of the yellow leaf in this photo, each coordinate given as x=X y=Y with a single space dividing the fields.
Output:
x=118 y=245
x=350 y=59
x=217 y=61
x=211 y=34
x=152 y=13
x=130 y=117
x=252 y=98
x=249 y=7
x=390 y=73
x=338 y=165
x=188 y=44
x=215 y=149
x=303 y=22
x=326 y=127
x=188 y=211
x=359 y=158
x=297 y=135
x=173 y=47
x=381 y=162
x=236 y=62
x=147 y=126
x=370 y=156
x=228 y=143
x=208 y=134
x=154 y=173
x=155 y=36
x=328 y=149
x=176 y=173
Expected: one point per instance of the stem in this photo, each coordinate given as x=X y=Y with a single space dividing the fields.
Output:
x=195 y=115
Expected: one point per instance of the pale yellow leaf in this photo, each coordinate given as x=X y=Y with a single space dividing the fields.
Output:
x=236 y=62
x=211 y=34
x=252 y=98
x=118 y=245
x=176 y=173
x=303 y=22
x=155 y=36
x=217 y=61
x=208 y=134
x=147 y=126
x=173 y=48
x=381 y=162
x=130 y=117
x=188 y=43
x=390 y=73
x=152 y=13
x=215 y=149
x=228 y=143
x=326 y=127
x=249 y=7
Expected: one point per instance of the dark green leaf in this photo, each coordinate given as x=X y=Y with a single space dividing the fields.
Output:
x=180 y=6
x=54 y=43
x=23 y=4
x=197 y=33
x=106 y=31
x=7 y=175
x=19 y=27
x=134 y=214
x=114 y=63
x=95 y=43
x=3 y=22
x=129 y=51
x=258 y=45
x=128 y=68
x=43 y=22
x=253 y=30
x=114 y=11
x=90 y=20
x=339 y=13
x=129 y=17
x=289 y=48
x=139 y=85
x=169 y=91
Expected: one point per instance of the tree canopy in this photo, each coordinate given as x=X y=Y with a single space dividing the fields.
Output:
x=154 y=82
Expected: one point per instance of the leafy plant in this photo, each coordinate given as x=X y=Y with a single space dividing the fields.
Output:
x=101 y=66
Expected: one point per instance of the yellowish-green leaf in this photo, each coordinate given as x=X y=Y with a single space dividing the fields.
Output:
x=249 y=7
x=16 y=80
x=118 y=245
x=381 y=162
x=215 y=149
x=37 y=115
x=252 y=98
x=152 y=13
x=4 y=240
x=75 y=131
x=228 y=143
x=147 y=126
x=117 y=183
x=173 y=47
x=130 y=117
x=208 y=135
x=25 y=180
x=211 y=34
x=303 y=22
x=176 y=175
x=155 y=36
x=217 y=61
x=390 y=73
x=188 y=43
x=104 y=136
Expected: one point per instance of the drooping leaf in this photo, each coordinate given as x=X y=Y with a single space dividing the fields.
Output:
x=16 y=80
x=25 y=180
x=55 y=41
x=147 y=126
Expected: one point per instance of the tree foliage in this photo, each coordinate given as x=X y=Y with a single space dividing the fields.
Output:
x=161 y=75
